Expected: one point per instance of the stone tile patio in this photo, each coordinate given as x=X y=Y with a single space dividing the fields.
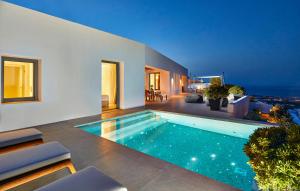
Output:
x=137 y=171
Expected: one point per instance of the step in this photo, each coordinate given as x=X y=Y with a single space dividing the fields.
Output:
x=129 y=118
x=94 y=128
x=118 y=125
x=133 y=129
x=128 y=128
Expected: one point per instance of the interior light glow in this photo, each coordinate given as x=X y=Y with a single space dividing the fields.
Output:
x=109 y=85
x=18 y=79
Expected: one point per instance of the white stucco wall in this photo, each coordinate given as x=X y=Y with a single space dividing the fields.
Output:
x=70 y=57
x=157 y=60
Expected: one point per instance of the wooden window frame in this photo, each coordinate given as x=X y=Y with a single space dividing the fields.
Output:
x=35 y=79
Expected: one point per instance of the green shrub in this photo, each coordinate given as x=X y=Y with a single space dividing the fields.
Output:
x=216 y=92
x=279 y=114
x=215 y=81
x=228 y=86
x=236 y=90
x=274 y=154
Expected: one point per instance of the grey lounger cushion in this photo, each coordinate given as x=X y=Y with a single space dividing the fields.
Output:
x=19 y=136
x=88 y=179
x=21 y=161
x=194 y=98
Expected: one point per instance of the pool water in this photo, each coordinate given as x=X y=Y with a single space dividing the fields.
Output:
x=217 y=154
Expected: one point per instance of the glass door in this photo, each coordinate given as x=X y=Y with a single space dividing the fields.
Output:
x=154 y=81
x=109 y=85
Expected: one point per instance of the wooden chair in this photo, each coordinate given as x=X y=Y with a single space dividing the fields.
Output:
x=147 y=95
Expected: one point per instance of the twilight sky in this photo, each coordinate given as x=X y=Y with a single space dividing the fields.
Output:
x=255 y=42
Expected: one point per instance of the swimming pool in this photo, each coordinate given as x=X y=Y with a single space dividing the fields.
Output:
x=209 y=147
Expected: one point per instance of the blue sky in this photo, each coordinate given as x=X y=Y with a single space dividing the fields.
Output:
x=255 y=42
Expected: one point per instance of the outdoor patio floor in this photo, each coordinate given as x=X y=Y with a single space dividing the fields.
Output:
x=177 y=104
x=135 y=170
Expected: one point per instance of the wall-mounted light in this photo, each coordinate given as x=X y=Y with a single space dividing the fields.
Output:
x=172 y=80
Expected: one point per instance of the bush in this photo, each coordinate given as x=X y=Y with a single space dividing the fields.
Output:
x=228 y=86
x=279 y=114
x=215 y=81
x=236 y=90
x=216 y=92
x=274 y=154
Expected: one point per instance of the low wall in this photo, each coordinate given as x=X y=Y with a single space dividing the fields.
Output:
x=239 y=108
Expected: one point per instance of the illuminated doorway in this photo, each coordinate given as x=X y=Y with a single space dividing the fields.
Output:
x=110 y=85
x=154 y=81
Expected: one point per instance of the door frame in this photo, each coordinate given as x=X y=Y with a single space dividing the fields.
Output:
x=117 y=82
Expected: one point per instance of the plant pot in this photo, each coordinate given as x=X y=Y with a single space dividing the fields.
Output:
x=214 y=104
x=224 y=102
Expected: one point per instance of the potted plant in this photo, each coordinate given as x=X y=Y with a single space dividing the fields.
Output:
x=215 y=94
x=236 y=91
x=225 y=100
x=216 y=82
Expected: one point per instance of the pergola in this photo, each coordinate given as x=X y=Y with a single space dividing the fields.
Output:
x=194 y=78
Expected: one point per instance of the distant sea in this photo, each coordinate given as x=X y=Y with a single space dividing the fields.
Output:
x=278 y=91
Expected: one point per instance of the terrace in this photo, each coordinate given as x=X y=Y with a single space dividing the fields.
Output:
x=178 y=104
x=133 y=169
x=163 y=142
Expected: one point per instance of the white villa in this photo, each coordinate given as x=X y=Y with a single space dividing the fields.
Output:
x=54 y=70
x=83 y=109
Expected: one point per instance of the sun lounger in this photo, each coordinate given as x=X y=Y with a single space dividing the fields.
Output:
x=89 y=179
x=194 y=98
x=21 y=166
x=13 y=140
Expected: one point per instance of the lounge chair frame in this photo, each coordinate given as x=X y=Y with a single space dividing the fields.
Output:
x=30 y=176
x=21 y=146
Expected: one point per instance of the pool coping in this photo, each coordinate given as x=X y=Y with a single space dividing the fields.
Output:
x=233 y=120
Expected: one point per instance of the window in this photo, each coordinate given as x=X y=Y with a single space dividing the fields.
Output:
x=154 y=81
x=19 y=79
